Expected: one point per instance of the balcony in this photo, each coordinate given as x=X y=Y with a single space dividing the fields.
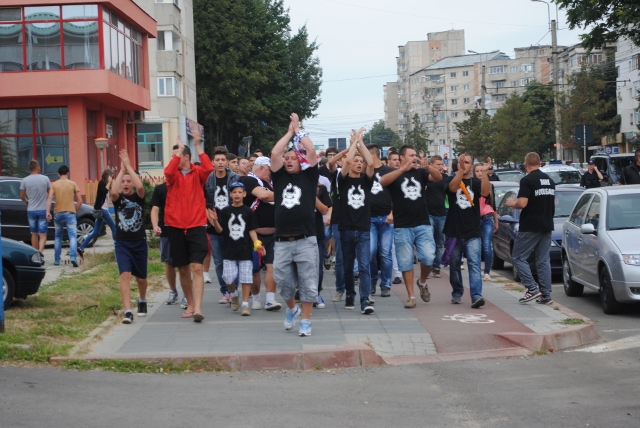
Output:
x=169 y=61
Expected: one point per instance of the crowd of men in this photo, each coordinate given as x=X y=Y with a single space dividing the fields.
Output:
x=291 y=213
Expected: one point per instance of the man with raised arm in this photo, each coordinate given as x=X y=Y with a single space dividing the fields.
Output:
x=186 y=218
x=295 y=177
x=411 y=220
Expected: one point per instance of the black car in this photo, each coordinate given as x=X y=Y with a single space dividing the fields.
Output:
x=22 y=270
x=15 y=224
x=509 y=222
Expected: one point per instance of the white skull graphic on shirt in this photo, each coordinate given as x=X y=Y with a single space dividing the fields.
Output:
x=221 y=197
x=291 y=196
x=355 y=197
x=411 y=191
x=461 y=199
x=377 y=187
x=236 y=230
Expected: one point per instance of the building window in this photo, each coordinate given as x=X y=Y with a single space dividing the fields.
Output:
x=498 y=98
x=526 y=81
x=454 y=88
x=168 y=87
x=636 y=112
x=526 y=68
x=465 y=87
x=496 y=70
x=454 y=114
x=41 y=134
x=467 y=100
x=500 y=84
x=454 y=128
x=176 y=2
x=441 y=116
x=122 y=47
x=513 y=69
x=150 y=145
x=440 y=129
x=465 y=74
x=454 y=101
x=31 y=38
x=635 y=63
x=513 y=83
x=435 y=77
x=452 y=75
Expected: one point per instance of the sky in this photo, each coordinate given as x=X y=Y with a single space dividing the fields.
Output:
x=359 y=42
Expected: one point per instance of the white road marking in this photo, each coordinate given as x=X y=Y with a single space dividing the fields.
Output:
x=616 y=345
x=468 y=318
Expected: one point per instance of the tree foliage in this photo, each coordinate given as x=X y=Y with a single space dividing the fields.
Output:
x=418 y=137
x=540 y=97
x=516 y=130
x=607 y=20
x=476 y=135
x=251 y=71
x=380 y=135
x=8 y=159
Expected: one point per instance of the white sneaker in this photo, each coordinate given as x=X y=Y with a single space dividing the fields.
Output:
x=257 y=305
x=273 y=306
x=207 y=278
x=486 y=277
x=290 y=317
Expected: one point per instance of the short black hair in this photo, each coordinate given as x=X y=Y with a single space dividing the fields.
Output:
x=454 y=165
x=374 y=148
x=332 y=149
x=254 y=155
x=406 y=147
x=231 y=156
x=186 y=152
x=220 y=150
x=63 y=170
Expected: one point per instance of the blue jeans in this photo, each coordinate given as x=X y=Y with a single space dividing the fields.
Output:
x=38 y=223
x=355 y=244
x=217 y=251
x=97 y=227
x=406 y=238
x=339 y=261
x=486 y=226
x=381 y=240
x=437 y=222
x=471 y=248
x=68 y=220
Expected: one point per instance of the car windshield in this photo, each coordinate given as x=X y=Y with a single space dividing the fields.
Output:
x=564 y=177
x=510 y=176
x=565 y=201
x=622 y=211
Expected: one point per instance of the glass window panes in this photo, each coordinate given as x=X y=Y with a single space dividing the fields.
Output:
x=51 y=120
x=43 y=46
x=42 y=13
x=80 y=11
x=11 y=58
x=10 y=14
x=81 y=45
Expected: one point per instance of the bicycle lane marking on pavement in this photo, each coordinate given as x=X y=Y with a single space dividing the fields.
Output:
x=443 y=320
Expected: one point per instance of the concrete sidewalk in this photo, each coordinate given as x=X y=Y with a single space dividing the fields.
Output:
x=435 y=331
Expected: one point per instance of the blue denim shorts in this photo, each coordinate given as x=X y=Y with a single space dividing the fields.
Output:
x=406 y=238
x=38 y=222
x=131 y=256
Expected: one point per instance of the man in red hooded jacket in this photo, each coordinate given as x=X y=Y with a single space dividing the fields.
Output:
x=185 y=216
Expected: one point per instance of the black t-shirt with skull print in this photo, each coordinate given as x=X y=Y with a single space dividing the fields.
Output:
x=463 y=219
x=236 y=223
x=381 y=204
x=295 y=196
x=220 y=200
x=355 y=202
x=407 y=194
x=129 y=217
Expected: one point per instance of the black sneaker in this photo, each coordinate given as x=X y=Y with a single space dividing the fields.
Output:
x=142 y=309
x=477 y=303
x=349 y=304
x=385 y=292
x=128 y=318
x=367 y=310
x=529 y=296
x=74 y=263
x=373 y=288
x=327 y=262
x=397 y=280
x=544 y=300
x=80 y=253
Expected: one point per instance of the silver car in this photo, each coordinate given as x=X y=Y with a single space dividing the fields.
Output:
x=601 y=246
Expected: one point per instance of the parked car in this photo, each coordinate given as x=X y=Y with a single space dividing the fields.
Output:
x=502 y=187
x=611 y=166
x=600 y=247
x=512 y=175
x=509 y=224
x=15 y=224
x=22 y=270
x=562 y=174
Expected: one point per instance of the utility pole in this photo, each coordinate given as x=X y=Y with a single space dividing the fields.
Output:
x=483 y=91
x=556 y=89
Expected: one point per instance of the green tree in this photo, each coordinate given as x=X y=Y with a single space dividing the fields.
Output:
x=540 y=97
x=418 y=137
x=8 y=160
x=516 y=130
x=251 y=71
x=476 y=135
x=382 y=136
x=607 y=20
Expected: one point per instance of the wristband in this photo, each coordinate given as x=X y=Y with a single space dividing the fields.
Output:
x=257 y=244
x=301 y=134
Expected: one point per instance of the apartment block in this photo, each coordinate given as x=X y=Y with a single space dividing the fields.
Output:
x=172 y=73
x=628 y=86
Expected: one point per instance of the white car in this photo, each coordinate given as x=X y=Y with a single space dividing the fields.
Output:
x=562 y=174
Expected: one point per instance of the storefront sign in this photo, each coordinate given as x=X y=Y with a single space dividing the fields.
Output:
x=194 y=126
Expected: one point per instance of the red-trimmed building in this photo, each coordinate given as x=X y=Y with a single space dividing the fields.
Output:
x=72 y=71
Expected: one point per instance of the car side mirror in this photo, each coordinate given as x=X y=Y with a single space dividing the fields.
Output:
x=587 y=229
x=508 y=219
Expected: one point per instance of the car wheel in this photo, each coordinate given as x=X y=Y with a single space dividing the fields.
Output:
x=497 y=262
x=610 y=305
x=8 y=288
x=85 y=227
x=571 y=288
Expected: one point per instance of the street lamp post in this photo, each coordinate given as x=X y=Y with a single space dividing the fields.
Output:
x=483 y=87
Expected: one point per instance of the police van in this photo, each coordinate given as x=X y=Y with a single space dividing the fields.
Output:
x=611 y=166
x=562 y=174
